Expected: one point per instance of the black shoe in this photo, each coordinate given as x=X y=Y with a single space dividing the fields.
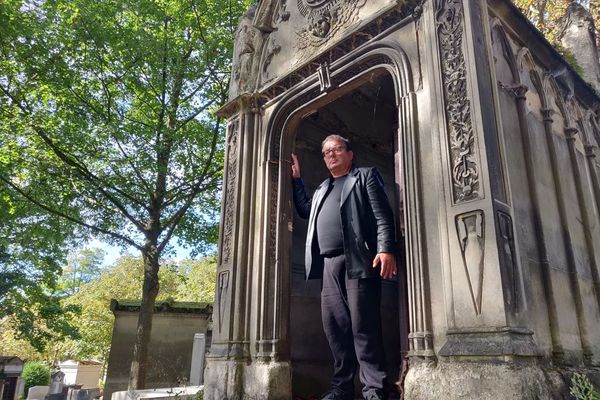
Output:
x=337 y=394
x=373 y=394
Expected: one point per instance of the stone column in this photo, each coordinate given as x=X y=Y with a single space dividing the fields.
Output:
x=566 y=236
x=590 y=154
x=230 y=342
x=239 y=366
x=520 y=92
x=571 y=134
x=484 y=273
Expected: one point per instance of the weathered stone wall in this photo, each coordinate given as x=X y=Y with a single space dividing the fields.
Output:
x=549 y=137
x=171 y=341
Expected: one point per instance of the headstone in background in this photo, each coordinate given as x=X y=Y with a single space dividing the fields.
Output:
x=56 y=384
x=198 y=354
x=37 y=392
x=83 y=394
x=56 y=396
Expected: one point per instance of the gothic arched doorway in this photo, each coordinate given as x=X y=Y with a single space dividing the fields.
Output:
x=366 y=110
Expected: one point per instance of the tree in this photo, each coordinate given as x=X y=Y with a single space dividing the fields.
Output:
x=187 y=280
x=81 y=268
x=105 y=122
x=35 y=374
x=123 y=281
x=199 y=278
x=31 y=250
x=546 y=14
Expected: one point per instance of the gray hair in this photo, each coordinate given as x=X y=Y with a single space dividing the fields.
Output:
x=337 y=138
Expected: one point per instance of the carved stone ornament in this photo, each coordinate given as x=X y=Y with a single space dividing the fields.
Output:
x=272 y=49
x=508 y=259
x=222 y=289
x=324 y=77
x=228 y=218
x=465 y=174
x=471 y=237
x=324 y=19
x=345 y=46
x=248 y=42
x=270 y=13
x=282 y=14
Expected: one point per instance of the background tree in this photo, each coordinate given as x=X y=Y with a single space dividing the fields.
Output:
x=31 y=252
x=105 y=122
x=546 y=14
x=199 y=278
x=123 y=281
x=186 y=280
x=82 y=267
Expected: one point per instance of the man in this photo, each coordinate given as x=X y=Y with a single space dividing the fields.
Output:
x=350 y=244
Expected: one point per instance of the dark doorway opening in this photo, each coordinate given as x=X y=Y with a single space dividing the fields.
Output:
x=368 y=116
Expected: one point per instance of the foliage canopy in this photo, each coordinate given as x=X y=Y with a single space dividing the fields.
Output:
x=106 y=125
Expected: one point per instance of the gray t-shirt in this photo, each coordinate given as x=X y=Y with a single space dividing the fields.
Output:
x=329 y=221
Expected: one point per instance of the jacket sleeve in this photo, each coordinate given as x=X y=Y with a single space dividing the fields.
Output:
x=384 y=217
x=301 y=199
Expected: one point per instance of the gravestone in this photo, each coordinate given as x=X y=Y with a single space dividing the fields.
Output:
x=198 y=354
x=56 y=382
x=37 y=392
x=487 y=140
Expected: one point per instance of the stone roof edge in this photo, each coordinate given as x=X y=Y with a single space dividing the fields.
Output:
x=537 y=40
x=164 y=306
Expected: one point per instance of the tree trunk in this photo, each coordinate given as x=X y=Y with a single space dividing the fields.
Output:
x=139 y=362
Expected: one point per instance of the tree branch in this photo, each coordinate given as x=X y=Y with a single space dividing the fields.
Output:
x=135 y=169
x=68 y=217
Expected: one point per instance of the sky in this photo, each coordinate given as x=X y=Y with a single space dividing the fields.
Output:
x=113 y=253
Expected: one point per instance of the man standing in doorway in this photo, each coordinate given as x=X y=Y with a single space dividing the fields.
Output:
x=350 y=244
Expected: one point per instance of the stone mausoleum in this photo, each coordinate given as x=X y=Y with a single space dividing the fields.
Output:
x=487 y=141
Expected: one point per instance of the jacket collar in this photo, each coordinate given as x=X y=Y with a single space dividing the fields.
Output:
x=353 y=172
x=348 y=185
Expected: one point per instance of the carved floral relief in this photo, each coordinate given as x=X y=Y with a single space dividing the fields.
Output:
x=465 y=169
x=229 y=213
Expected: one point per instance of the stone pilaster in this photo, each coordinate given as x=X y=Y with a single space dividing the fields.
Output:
x=484 y=271
x=482 y=278
x=232 y=372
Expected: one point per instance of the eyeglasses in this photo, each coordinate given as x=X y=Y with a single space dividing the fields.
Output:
x=336 y=150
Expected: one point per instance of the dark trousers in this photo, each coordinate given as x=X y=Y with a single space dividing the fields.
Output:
x=352 y=324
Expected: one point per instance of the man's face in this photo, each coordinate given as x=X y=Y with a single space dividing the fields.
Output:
x=337 y=159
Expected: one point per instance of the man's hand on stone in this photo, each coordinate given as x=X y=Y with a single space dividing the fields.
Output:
x=388 y=264
x=295 y=167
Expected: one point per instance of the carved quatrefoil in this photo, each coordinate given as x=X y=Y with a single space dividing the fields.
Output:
x=324 y=19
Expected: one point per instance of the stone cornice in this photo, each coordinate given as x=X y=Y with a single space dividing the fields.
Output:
x=244 y=102
x=163 y=307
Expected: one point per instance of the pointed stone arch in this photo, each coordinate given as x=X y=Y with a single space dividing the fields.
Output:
x=345 y=76
x=499 y=32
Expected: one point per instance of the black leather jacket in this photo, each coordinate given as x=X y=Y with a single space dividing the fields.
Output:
x=367 y=222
